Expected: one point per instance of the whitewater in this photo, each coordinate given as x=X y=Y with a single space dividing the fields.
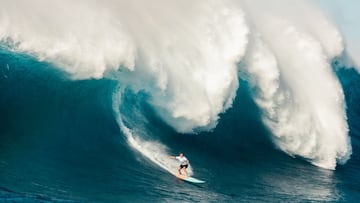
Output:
x=188 y=57
x=261 y=97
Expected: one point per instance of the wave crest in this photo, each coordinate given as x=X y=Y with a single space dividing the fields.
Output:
x=184 y=54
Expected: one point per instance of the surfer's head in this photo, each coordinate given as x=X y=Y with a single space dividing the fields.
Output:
x=181 y=154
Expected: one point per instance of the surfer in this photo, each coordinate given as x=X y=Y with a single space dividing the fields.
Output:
x=184 y=162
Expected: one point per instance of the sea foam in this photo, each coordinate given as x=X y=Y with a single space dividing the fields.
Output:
x=185 y=56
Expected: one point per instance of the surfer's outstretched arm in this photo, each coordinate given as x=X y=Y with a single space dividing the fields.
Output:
x=172 y=157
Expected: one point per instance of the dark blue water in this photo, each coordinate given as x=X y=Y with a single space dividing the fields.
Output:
x=59 y=141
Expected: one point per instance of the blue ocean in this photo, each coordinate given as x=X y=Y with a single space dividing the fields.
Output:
x=93 y=100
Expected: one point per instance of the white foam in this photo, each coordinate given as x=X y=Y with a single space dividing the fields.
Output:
x=302 y=100
x=76 y=37
x=184 y=54
x=152 y=150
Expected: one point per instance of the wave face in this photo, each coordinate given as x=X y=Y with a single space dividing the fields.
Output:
x=188 y=60
x=60 y=139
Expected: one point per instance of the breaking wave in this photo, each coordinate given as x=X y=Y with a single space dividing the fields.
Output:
x=189 y=56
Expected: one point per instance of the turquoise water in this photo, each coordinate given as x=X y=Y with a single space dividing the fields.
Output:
x=59 y=141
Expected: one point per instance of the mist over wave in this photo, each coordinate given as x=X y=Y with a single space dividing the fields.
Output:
x=288 y=63
x=188 y=57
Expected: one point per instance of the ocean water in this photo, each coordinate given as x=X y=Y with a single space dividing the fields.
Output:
x=60 y=142
x=265 y=112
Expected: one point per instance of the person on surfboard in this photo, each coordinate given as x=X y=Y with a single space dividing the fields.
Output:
x=184 y=162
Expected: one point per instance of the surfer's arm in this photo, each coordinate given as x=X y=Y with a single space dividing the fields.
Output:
x=172 y=157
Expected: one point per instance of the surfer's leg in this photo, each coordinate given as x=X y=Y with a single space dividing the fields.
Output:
x=186 y=171
x=179 y=169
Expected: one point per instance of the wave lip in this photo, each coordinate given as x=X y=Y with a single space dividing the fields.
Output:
x=294 y=85
x=186 y=60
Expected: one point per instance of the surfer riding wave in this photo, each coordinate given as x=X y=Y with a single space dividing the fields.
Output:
x=184 y=163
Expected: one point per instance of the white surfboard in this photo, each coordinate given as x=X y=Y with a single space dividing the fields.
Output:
x=189 y=179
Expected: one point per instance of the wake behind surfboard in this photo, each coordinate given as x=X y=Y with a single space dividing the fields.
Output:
x=189 y=179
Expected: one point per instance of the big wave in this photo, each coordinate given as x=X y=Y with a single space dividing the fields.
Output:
x=188 y=57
